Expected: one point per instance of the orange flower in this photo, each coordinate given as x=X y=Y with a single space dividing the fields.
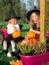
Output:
x=17 y=62
x=33 y=41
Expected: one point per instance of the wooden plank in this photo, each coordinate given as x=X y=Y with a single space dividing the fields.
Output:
x=42 y=19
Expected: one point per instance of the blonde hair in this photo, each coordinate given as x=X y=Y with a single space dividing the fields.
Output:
x=31 y=22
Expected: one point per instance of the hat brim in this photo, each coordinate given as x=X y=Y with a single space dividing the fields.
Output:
x=32 y=11
x=13 y=17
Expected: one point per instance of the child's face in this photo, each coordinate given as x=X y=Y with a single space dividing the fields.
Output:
x=34 y=17
x=13 y=21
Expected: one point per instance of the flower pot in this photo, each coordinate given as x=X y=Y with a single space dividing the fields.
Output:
x=36 y=59
x=4 y=33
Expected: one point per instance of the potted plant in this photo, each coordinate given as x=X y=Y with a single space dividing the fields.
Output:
x=33 y=52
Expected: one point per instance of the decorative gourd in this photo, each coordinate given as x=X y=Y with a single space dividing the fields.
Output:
x=31 y=34
x=16 y=34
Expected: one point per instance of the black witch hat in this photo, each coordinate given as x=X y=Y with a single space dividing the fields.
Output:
x=12 y=14
x=32 y=11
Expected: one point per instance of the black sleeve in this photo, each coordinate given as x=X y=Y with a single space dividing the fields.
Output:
x=35 y=27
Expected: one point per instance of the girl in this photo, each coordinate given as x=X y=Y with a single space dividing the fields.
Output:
x=34 y=16
x=34 y=20
x=11 y=27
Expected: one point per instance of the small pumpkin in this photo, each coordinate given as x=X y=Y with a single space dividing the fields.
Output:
x=31 y=34
x=16 y=34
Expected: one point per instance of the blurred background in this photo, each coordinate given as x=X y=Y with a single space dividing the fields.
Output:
x=21 y=7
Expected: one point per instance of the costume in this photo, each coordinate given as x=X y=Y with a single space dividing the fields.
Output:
x=9 y=40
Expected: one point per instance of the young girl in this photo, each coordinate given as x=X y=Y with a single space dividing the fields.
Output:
x=11 y=27
x=34 y=20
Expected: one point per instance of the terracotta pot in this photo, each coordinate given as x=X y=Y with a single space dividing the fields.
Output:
x=36 y=59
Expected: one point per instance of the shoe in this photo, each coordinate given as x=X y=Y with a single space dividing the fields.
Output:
x=16 y=54
x=9 y=54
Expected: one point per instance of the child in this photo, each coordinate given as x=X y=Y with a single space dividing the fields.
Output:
x=33 y=17
x=11 y=27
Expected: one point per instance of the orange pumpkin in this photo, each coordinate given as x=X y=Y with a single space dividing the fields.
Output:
x=16 y=34
x=31 y=34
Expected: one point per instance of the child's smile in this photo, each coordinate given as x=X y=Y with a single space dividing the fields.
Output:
x=34 y=17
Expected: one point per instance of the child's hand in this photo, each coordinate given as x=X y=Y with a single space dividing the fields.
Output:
x=36 y=31
x=14 y=28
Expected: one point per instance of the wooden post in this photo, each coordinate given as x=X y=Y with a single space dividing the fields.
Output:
x=42 y=19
